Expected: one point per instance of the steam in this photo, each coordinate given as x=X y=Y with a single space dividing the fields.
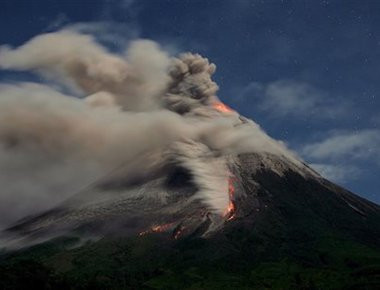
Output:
x=133 y=111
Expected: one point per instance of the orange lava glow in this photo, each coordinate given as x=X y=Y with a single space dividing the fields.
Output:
x=222 y=107
x=231 y=209
x=157 y=229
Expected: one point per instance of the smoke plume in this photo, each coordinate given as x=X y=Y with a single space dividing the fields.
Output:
x=133 y=111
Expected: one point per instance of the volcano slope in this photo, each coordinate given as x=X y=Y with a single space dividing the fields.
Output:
x=289 y=228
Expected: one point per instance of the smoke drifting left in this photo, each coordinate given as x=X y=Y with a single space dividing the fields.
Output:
x=130 y=114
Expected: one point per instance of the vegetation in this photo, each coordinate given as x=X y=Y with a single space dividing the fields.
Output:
x=155 y=262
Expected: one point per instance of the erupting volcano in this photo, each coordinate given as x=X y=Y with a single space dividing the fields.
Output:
x=163 y=181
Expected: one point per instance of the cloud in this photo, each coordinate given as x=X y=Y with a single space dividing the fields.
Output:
x=127 y=4
x=60 y=20
x=289 y=98
x=362 y=145
x=341 y=155
x=337 y=173
x=115 y=35
x=127 y=10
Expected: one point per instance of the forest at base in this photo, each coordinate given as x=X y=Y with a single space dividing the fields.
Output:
x=155 y=262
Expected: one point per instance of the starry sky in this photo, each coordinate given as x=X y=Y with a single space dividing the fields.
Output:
x=306 y=71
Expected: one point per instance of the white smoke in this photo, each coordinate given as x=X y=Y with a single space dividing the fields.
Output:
x=210 y=172
x=133 y=107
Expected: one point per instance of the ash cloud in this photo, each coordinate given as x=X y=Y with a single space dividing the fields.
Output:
x=136 y=111
x=52 y=145
x=135 y=79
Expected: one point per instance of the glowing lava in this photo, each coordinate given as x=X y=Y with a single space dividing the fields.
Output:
x=157 y=229
x=164 y=228
x=222 y=107
x=231 y=209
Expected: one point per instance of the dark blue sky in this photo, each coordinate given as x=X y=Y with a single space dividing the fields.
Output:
x=306 y=71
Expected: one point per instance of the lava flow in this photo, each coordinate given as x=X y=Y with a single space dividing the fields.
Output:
x=222 y=107
x=157 y=229
x=165 y=228
x=231 y=209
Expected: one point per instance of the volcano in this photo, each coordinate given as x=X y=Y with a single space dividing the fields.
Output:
x=199 y=197
x=285 y=227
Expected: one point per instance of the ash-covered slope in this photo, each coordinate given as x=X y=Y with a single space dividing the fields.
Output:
x=266 y=191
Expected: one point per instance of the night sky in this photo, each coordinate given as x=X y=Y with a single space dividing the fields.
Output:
x=306 y=71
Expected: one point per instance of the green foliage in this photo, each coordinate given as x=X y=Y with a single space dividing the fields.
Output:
x=28 y=274
x=155 y=262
